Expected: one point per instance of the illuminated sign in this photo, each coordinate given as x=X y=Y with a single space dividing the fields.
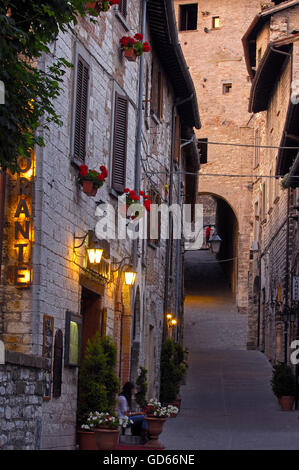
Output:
x=21 y=223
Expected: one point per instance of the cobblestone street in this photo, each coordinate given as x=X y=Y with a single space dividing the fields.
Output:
x=227 y=402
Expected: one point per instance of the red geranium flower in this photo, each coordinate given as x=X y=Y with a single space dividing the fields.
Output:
x=101 y=177
x=104 y=171
x=138 y=36
x=142 y=193
x=83 y=170
x=146 y=47
x=127 y=190
x=114 y=2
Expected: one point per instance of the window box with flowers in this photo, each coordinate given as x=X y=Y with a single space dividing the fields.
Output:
x=101 y=5
x=134 y=47
x=92 y=180
x=156 y=415
x=141 y=201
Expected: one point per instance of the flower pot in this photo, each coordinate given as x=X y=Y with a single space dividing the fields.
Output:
x=286 y=403
x=89 y=188
x=106 y=438
x=155 y=427
x=130 y=54
x=87 y=440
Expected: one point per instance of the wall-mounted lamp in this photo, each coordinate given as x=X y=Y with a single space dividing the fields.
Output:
x=130 y=277
x=95 y=255
x=169 y=316
x=173 y=322
x=215 y=243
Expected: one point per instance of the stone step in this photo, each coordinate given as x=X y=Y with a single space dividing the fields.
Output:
x=129 y=440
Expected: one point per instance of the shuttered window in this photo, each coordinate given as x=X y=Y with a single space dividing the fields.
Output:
x=123 y=8
x=119 y=155
x=80 y=124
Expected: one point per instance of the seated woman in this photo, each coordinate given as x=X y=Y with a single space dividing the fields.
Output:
x=139 y=426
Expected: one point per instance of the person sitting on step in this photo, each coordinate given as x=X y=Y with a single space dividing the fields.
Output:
x=139 y=426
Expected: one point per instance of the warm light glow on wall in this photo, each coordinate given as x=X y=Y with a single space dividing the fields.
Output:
x=130 y=277
x=95 y=255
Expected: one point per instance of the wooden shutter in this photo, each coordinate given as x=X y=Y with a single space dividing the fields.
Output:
x=123 y=8
x=80 y=127
x=120 y=143
x=57 y=366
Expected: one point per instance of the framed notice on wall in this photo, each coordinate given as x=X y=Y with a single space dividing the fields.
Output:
x=296 y=288
x=73 y=334
x=48 y=333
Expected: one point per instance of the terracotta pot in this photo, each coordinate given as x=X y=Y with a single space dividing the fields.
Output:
x=87 y=440
x=286 y=403
x=106 y=439
x=130 y=54
x=155 y=427
x=89 y=188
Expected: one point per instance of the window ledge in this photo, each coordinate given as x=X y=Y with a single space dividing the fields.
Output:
x=152 y=245
x=122 y=20
x=155 y=119
x=76 y=162
x=113 y=193
x=189 y=31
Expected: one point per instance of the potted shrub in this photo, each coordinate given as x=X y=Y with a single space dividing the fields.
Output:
x=284 y=385
x=97 y=386
x=173 y=371
x=134 y=47
x=156 y=415
x=106 y=427
x=141 y=386
x=92 y=180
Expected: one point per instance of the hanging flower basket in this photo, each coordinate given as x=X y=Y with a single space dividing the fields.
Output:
x=130 y=55
x=101 y=5
x=133 y=198
x=92 y=180
x=134 y=47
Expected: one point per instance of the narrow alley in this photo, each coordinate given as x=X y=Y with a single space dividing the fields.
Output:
x=227 y=401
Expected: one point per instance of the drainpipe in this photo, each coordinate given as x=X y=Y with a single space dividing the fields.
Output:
x=286 y=325
x=178 y=253
x=139 y=124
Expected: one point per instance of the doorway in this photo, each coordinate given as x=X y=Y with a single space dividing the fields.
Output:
x=92 y=316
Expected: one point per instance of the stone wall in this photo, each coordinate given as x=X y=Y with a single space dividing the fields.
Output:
x=21 y=401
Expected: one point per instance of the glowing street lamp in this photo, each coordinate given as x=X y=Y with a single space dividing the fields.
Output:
x=95 y=255
x=215 y=243
x=130 y=277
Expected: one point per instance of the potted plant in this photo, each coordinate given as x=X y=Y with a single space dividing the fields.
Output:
x=284 y=385
x=97 y=386
x=173 y=371
x=156 y=415
x=92 y=180
x=133 y=198
x=134 y=47
x=101 y=5
x=106 y=427
x=141 y=386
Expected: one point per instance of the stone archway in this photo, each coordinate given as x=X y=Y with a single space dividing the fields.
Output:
x=234 y=229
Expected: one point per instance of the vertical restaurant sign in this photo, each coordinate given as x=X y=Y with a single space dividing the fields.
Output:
x=22 y=229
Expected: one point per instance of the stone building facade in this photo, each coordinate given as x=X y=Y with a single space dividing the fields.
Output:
x=130 y=117
x=210 y=34
x=272 y=52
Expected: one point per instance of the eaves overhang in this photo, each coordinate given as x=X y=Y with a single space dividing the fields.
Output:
x=162 y=23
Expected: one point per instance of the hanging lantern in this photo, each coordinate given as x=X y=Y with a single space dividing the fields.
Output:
x=95 y=255
x=130 y=277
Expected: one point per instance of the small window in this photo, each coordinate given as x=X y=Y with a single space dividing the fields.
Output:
x=216 y=22
x=188 y=17
x=227 y=88
x=203 y=150
x=122 y=7
x=157 y=91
